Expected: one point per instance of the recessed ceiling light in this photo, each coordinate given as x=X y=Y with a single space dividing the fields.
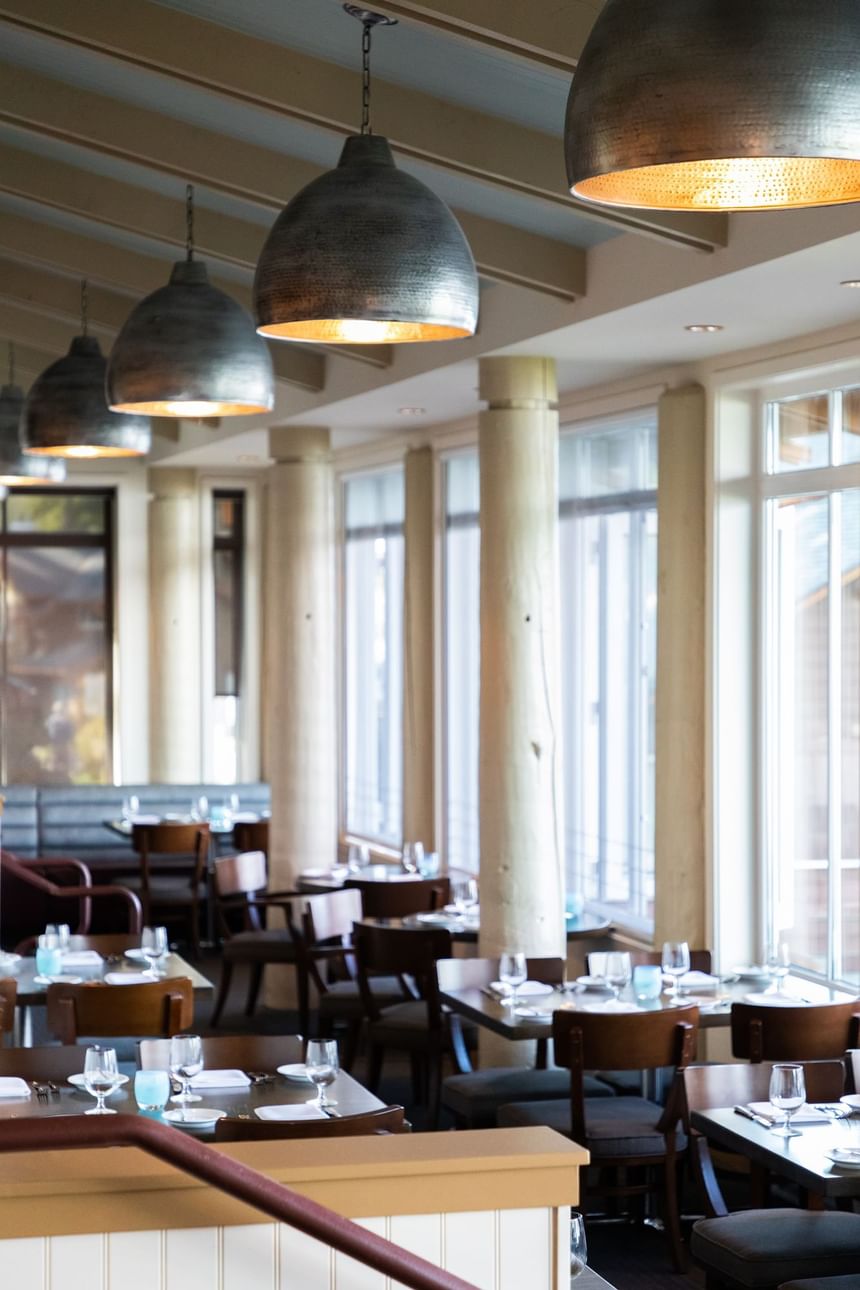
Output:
x=411 y=412
x=850 y=282
x=704 y=327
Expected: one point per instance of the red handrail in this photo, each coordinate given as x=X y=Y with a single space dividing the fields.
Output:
x=63 y=1133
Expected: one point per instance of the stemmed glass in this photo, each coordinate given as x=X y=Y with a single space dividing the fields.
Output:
x=779 y=963
x=130 y=808
x=513 y=971
x=186 y=1061
x=578 y=1247
x=464 y=893
x=101 y=1076
x=200 y=808
x=618 y=971
x=412 y=856
x=676 y=962
x=321 y=1066
x=153 y=947
x=787 y=1093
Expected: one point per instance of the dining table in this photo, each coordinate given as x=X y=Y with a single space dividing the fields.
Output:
x=466 y=929
x=802 y=1159
x=350 y=1097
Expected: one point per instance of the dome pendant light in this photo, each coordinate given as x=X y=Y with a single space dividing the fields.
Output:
x=18 y=468
x=66 y=415
x=190 y=350
x=717 y=105
x=366 y=254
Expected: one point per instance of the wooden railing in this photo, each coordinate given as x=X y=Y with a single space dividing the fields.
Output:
x=210 y=1166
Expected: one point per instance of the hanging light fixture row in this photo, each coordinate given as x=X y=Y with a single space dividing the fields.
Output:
x=17 y=467
x=366 y=253
x=717 y=105
x=66 y=414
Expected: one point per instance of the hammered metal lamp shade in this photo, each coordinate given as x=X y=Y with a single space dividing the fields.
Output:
x=366 y=254
x=17 y=467
x=66 y=414
x=717 y=105
x=189 y=350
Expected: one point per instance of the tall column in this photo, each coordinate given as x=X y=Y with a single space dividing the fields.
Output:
x=681 y=885
x=522 y=879
x=299 y=671
x=174 y=633
x=419 y=751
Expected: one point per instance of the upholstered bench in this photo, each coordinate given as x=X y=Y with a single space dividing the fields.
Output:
x=851 y=1282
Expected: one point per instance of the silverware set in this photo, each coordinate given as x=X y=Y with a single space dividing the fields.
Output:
x=45 y=1090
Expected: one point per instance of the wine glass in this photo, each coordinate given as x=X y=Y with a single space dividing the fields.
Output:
x=787 y=1093
x=513 y=972
x=353 y=858
x=153 y=947
x=464 y=893
x=130 y=808
x=779 y=963
x=409 y=857
x=101 y=1076
x=200 y=808
x=321 y=1067
x=676 y=962
x=578 y=1247
x=186 y=1061
x=618 y=971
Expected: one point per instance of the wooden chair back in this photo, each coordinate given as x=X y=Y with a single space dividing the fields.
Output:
x=160 y=1008
x=251 y=835
x=700 y=960
x=242 y=874
x=391 y=1119
x=230 y=1052
x=45 y=1063
x=794 y=1034
x=475 y=974
x=399 y=898
x=588 y=1041
x=8 y=997
x=171 y=839
x=330 y=916
x=403 y=952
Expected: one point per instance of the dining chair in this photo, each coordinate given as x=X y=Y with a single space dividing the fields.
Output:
x=390 y=1119
x=702 y=1088
x=251 y=835
x=765 y=1249
x=400 y=897
x=8 y=998
x=157 y=1008
x=620 y=1133
x=473 y=1098
x=822 y=1283
x=229 y=1052
x=34 y=893
x=327 y=962
x=419 y=1026
x=700 y=960
x=182 y=890
x=47 y=1062
x=761 y=1032
x=241 y=898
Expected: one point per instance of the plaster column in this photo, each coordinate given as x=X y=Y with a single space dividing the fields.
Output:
x=299 y=669
x=419 y=753
x=521 y=804
x=681 y=886
x=174 y=615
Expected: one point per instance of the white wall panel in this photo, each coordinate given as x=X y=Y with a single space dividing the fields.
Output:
x=136 y=1260
x=470 y=1248
x=77 y=1262
x=23 y=1262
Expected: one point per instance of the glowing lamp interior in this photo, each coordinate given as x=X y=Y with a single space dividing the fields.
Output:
x=362 y=331
x=729 y=183
x=83 y=450
x=22 y=481
x=191 y=408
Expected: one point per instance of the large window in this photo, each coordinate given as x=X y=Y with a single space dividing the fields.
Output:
x=373 y=655
x=608 y=545
x=228 y=570
x=811 y=680
x=56 y=630
x=461 y=658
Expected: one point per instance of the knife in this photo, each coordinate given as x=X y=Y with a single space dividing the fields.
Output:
x=751 y=1115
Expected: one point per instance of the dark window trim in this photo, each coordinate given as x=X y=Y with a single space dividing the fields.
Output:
x=235 y=543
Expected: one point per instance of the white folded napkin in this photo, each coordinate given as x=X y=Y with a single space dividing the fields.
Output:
x=12 y=1086
x=81 y=958
x=298 y=1111
x=245 y=817
x=527 y=989
x=144 y=819
x=610 y=1005
x=775 y=1000
x=128 y=978
x=805 y=1114
x=699 y=981
x=220 y=1079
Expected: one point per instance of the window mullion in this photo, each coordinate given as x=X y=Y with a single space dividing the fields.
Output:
x=834 y=739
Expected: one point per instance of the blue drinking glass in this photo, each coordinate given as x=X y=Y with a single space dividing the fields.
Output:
x=151 y=1090
x=647 y=981
x=49 y=960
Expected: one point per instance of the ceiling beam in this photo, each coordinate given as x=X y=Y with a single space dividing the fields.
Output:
x=551 y=33
x=267 y=179
x=137 y=275
x=274 y=78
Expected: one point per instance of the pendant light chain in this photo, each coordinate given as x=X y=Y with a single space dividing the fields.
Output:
x=189 y=222
x=366 y=29
x=11 y=363
x=85 y=304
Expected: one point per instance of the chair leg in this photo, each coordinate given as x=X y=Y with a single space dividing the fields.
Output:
x=303 y=984
x=350 y=1045
x=374 y=1067
x=673 y=1218
x=254 y=988
x=434 y=1086
x=417 y=1077
x=458 y=1043
x=223 y=991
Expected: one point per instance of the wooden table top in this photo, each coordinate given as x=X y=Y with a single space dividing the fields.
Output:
x=715 y=1005
x=351 y=1097
x=801 y=1159
x=31 y=994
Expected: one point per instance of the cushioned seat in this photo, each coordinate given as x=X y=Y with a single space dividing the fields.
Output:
x=851 y=1282
x=168 y=891
x=762 y=1248
x=260 y=947
x=475 y=1098
x=343 y=998
x=410 y=1016
x=616 y=1126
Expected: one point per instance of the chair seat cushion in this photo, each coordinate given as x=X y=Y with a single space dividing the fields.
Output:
x=406 y=1025
x=476 y=1097
x=615 y=1126
x=260 y=947
x=167 y=891
x=851 y=1282
x=343 y=998
x=764 y=1247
